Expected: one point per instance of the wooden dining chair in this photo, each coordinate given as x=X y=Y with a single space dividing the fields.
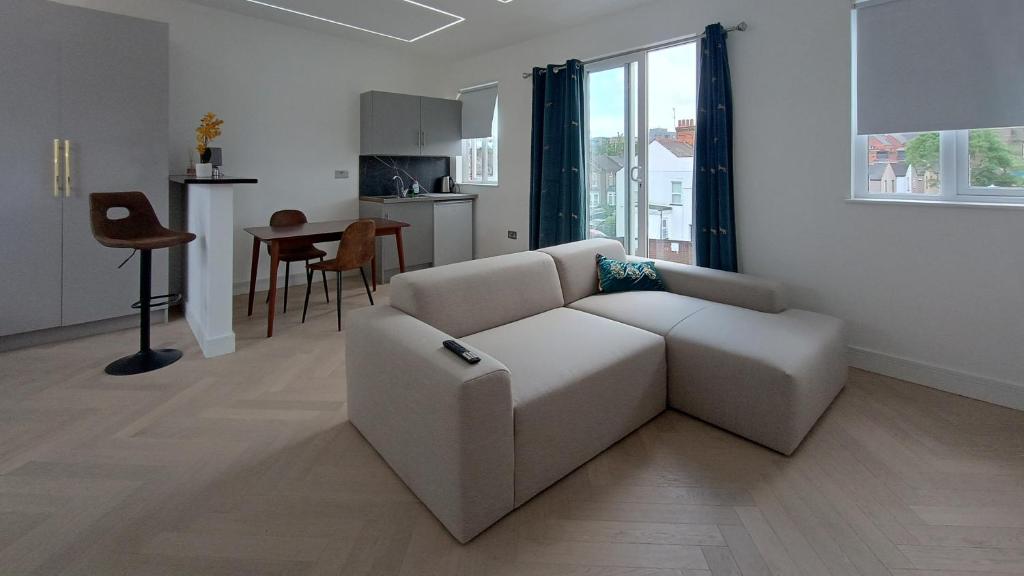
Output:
x=355 y=250
x=297 y=250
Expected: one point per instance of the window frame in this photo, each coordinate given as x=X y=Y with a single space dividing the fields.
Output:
x=673 y=193
x=954 y=176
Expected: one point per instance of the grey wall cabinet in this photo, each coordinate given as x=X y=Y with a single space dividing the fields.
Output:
x=98 y=84
x=406 y=125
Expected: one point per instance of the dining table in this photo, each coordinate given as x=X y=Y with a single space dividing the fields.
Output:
x=327 y=231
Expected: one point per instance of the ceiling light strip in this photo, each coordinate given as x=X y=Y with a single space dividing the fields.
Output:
x=457 y=20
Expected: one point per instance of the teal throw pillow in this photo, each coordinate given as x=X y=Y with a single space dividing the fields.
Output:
x=618 y=276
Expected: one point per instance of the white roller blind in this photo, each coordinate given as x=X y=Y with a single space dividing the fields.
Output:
x=928 y=65
x=478 y=111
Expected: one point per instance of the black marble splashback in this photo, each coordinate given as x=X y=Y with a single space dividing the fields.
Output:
x=376 y=173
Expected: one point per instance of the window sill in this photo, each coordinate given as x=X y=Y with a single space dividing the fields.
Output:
x=480 y=184
x=948 y=203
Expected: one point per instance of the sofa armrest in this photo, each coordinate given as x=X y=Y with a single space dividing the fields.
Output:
x=730 y=288
x=443 y=425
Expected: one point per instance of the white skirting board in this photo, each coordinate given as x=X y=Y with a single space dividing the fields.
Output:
x=1001 y=392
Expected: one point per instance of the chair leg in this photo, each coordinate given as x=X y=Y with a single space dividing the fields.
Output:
x=369 y=294
x=309 y=285
x=337 y=297
x=287 y=275
x=323 y=273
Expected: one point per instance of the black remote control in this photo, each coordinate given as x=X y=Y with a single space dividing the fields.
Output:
x=461 y=351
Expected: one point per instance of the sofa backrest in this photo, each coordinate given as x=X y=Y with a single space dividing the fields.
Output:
x=469 y=297
x=577 y=265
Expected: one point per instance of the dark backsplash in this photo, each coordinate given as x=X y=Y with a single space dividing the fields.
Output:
x=375 y=178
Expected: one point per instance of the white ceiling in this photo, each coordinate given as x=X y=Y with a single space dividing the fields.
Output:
x=488 y=24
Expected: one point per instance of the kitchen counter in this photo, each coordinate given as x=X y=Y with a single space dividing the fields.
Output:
x=420 y=198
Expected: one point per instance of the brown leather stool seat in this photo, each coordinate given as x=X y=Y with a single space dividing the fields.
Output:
x=139 y=230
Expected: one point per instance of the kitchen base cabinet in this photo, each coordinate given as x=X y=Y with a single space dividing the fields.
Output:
x=418 y=238
x=453 y=232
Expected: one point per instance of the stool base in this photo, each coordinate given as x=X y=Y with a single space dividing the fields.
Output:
x=143 y=361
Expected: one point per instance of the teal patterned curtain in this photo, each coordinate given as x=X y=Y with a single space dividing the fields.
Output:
x=558 y=180
x=715 y=219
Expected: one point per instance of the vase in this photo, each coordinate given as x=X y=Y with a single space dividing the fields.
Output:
x=204 y=170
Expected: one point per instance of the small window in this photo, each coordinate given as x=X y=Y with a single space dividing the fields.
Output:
x=479 y=160
x=677 y=193
x=611 y=198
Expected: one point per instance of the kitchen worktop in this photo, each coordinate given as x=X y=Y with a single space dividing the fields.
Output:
x=420 y=198
x=183 y=179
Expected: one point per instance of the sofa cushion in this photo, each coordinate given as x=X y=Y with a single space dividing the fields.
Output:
x=468 y=297
x=579 y=383
x=618 y=276
x=767 y=377
x=656 y=312
x=577 y=267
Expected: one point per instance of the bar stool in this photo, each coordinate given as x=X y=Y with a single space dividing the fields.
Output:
x=139 y=230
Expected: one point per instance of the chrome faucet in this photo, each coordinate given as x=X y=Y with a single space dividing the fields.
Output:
x=399 y=186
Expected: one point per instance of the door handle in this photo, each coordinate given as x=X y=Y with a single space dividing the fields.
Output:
x=56 y=168
x=67 y=168
x=634 y=176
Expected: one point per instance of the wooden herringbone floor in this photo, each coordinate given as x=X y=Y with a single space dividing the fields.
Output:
x=246 y=465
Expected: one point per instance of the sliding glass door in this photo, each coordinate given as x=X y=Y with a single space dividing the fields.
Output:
x=616 y=155
x=641 y=111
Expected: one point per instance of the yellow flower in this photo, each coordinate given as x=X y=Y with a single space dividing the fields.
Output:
x=209 y=129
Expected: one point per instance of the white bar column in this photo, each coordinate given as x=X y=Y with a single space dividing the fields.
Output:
x=208 y=300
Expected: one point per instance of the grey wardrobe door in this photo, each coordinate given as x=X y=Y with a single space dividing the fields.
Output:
x=395 y=124
x=441 y=121
x=30 y=230
x=114 y=111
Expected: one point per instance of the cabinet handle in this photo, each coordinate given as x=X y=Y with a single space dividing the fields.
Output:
x=424 y=139
x=56 y=168
x=67 y=168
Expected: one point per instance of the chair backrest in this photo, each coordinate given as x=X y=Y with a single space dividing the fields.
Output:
x=288 y=218
x=357 y=245
x=140 y=223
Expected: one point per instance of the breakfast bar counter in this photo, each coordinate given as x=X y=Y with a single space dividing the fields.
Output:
x=210 y=216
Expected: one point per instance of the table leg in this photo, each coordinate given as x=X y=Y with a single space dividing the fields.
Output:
x=401 y=250
x=252 y=273
x=275 y=259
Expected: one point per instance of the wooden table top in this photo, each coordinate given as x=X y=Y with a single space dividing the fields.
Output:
x=330 y=227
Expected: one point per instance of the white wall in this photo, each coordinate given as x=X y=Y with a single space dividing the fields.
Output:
x=289 y=98
x=938 y=292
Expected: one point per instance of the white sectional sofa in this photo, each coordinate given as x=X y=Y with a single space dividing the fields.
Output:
x=565 y=372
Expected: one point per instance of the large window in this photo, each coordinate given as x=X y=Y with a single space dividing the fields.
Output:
x=937 y=101
x=641 y=111
x=985 y=165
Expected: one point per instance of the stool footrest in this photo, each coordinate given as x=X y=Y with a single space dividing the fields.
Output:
x=159 y=301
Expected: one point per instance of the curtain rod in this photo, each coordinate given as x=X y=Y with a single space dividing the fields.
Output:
x=741 y=27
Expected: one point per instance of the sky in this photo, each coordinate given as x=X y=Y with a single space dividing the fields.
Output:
x=672 y=82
